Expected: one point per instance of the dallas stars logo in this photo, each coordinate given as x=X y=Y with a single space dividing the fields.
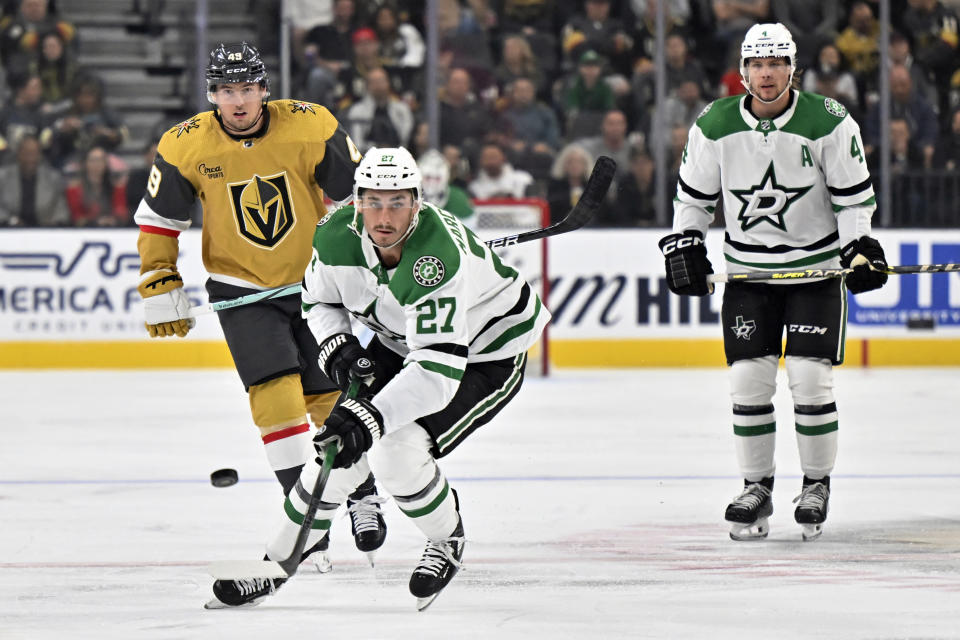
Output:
x=186 y=126
x=767 y=201
x=743 y=329
x=302 y=107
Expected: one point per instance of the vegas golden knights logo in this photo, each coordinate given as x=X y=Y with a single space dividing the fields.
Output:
x=263 y=209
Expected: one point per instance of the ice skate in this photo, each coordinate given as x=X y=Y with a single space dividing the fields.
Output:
x=366 y=521
x=438 y=564
x=748 y=513
x=242 y=593
x=812 y=505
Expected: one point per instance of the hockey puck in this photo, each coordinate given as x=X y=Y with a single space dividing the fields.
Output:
x=223 y=477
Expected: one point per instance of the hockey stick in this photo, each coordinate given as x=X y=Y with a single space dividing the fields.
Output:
x=591 y=199
x=249 y=569
x=809 y=274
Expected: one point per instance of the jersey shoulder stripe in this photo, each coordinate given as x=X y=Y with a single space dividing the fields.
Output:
x=816 y=116
x=722 y=118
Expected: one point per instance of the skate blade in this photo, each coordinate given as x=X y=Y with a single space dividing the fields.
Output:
x=321 y=561
x=216 y=604
x=245 y=569
x=423 y=603
x=371 y=556
x=811 y=531
x=753 y=531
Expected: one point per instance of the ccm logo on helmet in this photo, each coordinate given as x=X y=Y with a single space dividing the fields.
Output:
x=682 y=243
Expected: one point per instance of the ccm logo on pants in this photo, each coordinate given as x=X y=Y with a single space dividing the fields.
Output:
x=807 y=328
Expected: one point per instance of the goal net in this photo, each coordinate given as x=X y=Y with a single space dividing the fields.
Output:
x=503 y=217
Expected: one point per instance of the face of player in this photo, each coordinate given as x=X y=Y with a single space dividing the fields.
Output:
x=386 y=215
x=240 y=104
x=768 y=77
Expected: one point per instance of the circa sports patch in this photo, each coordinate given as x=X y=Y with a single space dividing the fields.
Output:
x=324 y=219
x=834 y=107
x=428 y=271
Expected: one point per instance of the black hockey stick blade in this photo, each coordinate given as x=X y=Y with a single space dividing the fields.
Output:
x=590 y=200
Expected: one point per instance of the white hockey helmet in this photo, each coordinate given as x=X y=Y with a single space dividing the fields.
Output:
x=768 y=40
x=388 y=169
x=436 y=177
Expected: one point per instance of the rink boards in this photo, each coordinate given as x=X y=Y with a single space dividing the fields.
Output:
x=68 y=300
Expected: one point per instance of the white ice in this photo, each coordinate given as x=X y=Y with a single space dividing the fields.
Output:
x=593 y=509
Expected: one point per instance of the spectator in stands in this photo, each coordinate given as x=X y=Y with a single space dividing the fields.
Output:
x=24 y=115
x=20 y=34
x=31 y=191
x=86 y=123
x=327 y=53
x=830 y=77
x=900 y=53
x=934 y=31
x=464 y=120
x=58 y=71
x=595 y=30
x=678 y=10
x=813 y=24
x=380 y=119
x=731 y=82
x=517 y=61
x=947 y=155
x=634 y=194
x=535 y=21
x=437 y=188
x=732 y=18
x=95 y=198
x=304 y=16
x=586 y=96
x=366 y=56
x=910 y=106
x=682 y=108
x=859 y=42
x=910 y=198
x=534 y=123
x=464 y=37
x=497 y=178
x=612 y=141
x=680 y=67
x=460 y=171
x=568 y=176
x=401 y=45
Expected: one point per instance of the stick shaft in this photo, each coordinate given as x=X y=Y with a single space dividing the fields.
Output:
x=811 y=274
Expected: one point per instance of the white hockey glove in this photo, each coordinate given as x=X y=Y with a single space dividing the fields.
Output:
x=165 y=304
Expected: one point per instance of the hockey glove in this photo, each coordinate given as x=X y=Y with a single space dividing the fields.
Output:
x=165 y=304
x=357 y=423
x=686 y=263
x=866 y=257
x=341 y=357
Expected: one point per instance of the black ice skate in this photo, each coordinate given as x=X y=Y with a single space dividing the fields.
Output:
x=812 y=505
x=242 y=593
x=438 y=564
x=749 y=511
x=366 y=520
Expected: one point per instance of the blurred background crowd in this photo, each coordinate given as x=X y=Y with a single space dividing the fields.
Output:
x=530 y=92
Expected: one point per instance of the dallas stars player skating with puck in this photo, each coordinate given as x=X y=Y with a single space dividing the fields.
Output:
x=260 y=169
x=452 y=324
x=796 y=193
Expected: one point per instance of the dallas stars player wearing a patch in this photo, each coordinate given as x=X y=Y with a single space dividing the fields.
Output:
x=259 y=169
x=452 y=325
x=796 y=193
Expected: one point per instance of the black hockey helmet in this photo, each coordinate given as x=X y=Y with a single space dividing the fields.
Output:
x=236 y=63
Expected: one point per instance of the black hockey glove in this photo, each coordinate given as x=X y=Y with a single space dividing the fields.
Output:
x=341 y=357
x=357 y=423
x=686 y=262
x=866 y=257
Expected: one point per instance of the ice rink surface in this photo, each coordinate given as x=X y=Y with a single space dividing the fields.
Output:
x=593 y=509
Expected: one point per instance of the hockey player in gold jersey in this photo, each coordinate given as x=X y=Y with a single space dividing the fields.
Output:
x=260 y=169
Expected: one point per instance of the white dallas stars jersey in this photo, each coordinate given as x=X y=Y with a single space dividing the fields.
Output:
x=795 y=189
x=449 y=301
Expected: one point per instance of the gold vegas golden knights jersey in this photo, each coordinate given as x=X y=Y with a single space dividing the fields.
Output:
x=262 y=194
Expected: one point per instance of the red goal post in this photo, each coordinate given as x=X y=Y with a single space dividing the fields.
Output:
x=500 y=217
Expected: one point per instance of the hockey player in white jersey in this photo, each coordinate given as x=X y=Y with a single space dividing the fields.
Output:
x=789 y=169
x=452 y=326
